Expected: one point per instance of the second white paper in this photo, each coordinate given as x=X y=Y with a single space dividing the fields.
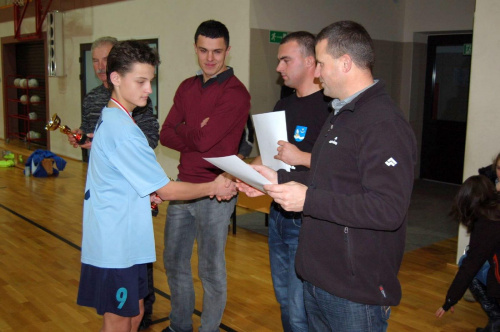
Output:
x=270 y=128
x=238 y=168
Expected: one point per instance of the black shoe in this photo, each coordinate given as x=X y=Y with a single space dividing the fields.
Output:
x=493 y=326
x=145 y=322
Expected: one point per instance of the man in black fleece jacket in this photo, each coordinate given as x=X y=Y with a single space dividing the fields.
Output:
x=355 y=197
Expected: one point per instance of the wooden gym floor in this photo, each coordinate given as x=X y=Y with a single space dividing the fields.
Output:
x=40 y=236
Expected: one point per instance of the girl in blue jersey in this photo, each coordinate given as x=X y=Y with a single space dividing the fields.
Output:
x=123 y=178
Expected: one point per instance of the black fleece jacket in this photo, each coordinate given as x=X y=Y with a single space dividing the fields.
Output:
x=354 y=219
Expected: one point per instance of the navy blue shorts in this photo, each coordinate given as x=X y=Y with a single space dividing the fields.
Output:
x=117 y=291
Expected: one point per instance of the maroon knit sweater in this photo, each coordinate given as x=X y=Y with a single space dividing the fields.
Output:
x=226 y=102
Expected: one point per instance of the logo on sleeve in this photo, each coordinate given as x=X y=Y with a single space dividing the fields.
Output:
x=391 y=162
x=300 y=133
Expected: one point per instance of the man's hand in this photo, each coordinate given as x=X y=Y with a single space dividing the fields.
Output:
x=248 y=190
x=266 y=172
x=225 y=188
x=229 y=176
x=292 y=155
x=88 y=144
x=154 y=198
x=72 y=139
x=291 y=195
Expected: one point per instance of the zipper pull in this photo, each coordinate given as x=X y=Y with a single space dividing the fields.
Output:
x=382 y=291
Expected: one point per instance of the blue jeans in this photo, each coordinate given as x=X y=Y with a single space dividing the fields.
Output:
x=284 y=230
x=327 y=312
x=206 y=220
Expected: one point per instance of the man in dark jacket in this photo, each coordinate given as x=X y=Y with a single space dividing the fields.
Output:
x=355 y=197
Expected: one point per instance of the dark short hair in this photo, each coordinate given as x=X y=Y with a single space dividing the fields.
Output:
x=125 y=54
x=305 y=40
x=348 y=37
x=212 y=29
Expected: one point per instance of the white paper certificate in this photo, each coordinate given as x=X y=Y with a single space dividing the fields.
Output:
x=270 y=128
x=238 y=168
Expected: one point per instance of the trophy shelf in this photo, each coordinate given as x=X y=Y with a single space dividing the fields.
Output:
x=26 y=108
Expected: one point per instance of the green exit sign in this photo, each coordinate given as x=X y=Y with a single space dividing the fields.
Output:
x=467 y=49
x=276 y=36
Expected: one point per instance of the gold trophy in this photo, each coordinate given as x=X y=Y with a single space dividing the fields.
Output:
x=55 y=123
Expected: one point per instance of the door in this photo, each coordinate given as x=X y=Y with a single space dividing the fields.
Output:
x=445 y=107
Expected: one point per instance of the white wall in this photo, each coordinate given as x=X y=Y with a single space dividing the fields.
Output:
x=382 y=18
x=173 y=22
x=434 y=16
x=388 y=20
x=483 y=120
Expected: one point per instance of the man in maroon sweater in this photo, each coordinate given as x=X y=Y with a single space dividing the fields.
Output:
x=206 y=120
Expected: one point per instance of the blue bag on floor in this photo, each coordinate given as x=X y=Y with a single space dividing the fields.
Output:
x=35 y=160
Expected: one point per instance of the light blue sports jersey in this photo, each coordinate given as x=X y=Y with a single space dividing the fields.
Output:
x=122 y=172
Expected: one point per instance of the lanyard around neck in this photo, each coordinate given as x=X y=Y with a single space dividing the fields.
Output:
x=120 y=106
